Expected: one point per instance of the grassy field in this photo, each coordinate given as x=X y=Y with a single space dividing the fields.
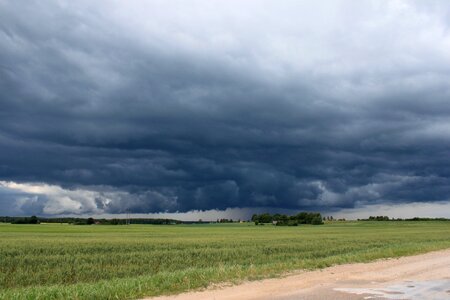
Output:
x=127 y=262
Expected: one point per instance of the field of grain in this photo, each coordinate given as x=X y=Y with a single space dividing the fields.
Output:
x=52 y=261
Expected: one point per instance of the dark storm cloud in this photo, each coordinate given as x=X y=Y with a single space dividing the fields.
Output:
x=116 y=107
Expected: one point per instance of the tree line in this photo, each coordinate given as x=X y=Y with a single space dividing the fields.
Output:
x=265 y=218
x=87 y=221
x=312 y=218
x=386 y=218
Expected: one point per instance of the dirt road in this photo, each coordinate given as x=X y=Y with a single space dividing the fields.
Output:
x=425 y=276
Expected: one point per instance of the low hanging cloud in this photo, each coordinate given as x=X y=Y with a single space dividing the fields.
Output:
x=160 y=106
x=47 y=199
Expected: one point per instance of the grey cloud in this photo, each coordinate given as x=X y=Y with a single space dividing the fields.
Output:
x=245 y=105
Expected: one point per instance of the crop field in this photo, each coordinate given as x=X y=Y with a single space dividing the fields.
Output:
x=53 y=261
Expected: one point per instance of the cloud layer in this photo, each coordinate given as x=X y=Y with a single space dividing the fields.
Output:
x=109 y=107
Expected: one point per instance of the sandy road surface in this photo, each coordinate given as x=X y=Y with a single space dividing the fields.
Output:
x=425 y=276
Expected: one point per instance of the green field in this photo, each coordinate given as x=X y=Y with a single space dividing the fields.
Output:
x=51 y=261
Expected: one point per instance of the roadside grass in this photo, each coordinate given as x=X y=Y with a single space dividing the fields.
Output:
x=52 y=261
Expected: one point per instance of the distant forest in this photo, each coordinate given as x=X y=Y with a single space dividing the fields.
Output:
x=87 y=221
x=386 y=218
x=285 y=220
x=261 y=219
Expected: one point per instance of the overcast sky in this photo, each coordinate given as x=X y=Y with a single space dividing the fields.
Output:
x=233 y=106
